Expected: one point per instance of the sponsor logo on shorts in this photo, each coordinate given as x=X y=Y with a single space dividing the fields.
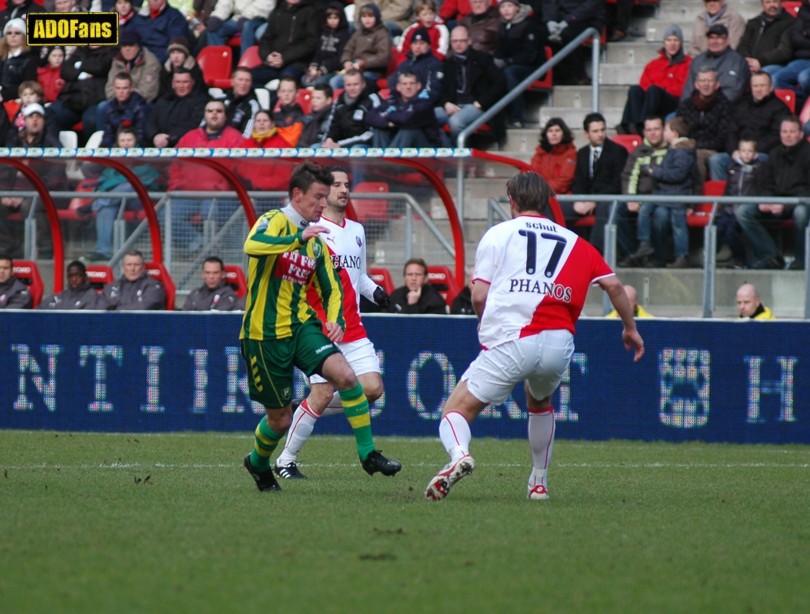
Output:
x=323 y=348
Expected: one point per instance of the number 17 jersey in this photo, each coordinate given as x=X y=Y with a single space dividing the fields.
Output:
x=539 y=274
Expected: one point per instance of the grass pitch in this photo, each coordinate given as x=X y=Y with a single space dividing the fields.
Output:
x=159 y=523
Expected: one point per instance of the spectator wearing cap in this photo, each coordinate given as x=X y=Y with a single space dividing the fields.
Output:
x=237 y=18
x=79 y=293
x=126 y=108
x=732 y=69
x=18 y=9
x=159 y=26
x=52 y=174
x=421 y=62
x=289 y=42
x=520 y=50
x=368 y=49
x=471 y=84
x=179 y=53
x=17 y=62
x=425 y=11
x=718 y=12
x=140 y=63
x=659 y=89
x=176 y=113
x=85 y=74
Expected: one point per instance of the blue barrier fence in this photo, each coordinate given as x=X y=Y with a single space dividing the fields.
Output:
x=128 y=372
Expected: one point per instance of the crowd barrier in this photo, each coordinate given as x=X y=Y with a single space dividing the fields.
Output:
x=713 y=381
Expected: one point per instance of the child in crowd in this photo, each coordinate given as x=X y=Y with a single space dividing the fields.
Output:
x=49 y=76
x=741 y=180
x=334 y=35
x=288 y=115
x=368 y=49
x=675 y=176
x=425 y=11
x=125 y=14
x=30 y=92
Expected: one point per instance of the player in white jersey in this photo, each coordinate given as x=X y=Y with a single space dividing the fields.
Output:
x=346 y=240
x=531 y=281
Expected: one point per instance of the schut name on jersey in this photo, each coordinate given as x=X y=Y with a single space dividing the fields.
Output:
x=557 y=291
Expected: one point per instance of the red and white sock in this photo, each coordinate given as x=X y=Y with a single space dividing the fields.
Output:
x=541 y=442
x=303 y=422
x=454 y=431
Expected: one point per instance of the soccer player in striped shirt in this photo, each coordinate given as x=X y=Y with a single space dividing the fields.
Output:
x=280 y=330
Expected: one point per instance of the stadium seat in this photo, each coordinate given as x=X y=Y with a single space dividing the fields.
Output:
x=95 y=139
x=304 y=99
x=702 y=212
x=216 y=62
x=382 y=277
x=442 y=278
x=159 y=272
x=99 y=275
x=792 y=7
x=370 y=210
x=788 y=97
x=250 y=59
x=546 y=82
x=235 y=278
x=804 y=116
x=28 y=273
x=70 y=140
x=628 y=141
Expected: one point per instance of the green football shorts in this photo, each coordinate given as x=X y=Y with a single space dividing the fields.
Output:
x=270 y=362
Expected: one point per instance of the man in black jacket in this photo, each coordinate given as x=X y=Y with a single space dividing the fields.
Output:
x=14 y=294
x=784 y=174
x=471 y=84
x=765 y=41
x=349 y=128
x=176 y=113
x=215 y=294
x=79 y=293
x=599 y=171
x=290 y=41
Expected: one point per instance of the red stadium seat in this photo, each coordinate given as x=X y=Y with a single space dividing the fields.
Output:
x=250 y=59
x=792 y=7
x=216 y=62
x=304 y=99
x=235 y=278
x=700 y=216
x=442 y=278
x=368 y=210
x=99 y=275
x=382 y=277
x=788 y=97
x=546 y=83
x=159 y=272
x=628 y=141
x=28 y=273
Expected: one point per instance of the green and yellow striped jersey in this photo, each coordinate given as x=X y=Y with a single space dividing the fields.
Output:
x=282 y=266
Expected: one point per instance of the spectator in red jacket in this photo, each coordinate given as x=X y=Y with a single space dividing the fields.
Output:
x=555 y=159
x=660 y=87
x=214 y=133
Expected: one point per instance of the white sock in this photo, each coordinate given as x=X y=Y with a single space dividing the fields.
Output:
x=541 y=442
x=454 y=431
x=303 y=421
x=334 y=406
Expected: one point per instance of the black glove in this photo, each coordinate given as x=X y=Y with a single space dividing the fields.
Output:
x=213 y=24
x=381 y=298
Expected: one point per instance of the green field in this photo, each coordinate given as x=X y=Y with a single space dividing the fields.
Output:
x=173 y=523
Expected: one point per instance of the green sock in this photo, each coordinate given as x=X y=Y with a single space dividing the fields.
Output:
x=266 y=440
x=355 y=406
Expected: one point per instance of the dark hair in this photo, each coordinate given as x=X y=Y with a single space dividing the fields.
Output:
x=591 y=118
x=243 y=69
x=135 y=252
x=338 y=169
x=7 y=257
x=792 y=119
x=325 y=88
x=568 y=136
x=304 y=175
x=530 y=192
x=291 y=79
x=266 y=112
x=762 y=73
x=215 y=259
x=420 y=261
x=126 y=130
x=654 y=117
x=77 y=264
x=122 y=76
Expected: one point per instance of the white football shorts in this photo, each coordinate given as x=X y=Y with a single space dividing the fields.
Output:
x=361 y=356
x=540 y=360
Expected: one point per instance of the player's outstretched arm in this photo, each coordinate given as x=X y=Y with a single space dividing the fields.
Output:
x=618 y=297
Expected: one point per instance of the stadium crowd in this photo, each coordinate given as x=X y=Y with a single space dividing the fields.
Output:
x=414 y=73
